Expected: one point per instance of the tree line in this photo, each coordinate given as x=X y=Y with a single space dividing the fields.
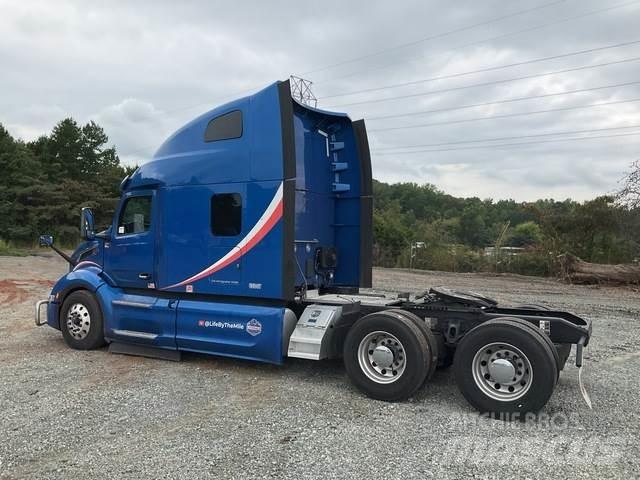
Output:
x=456 y=231
x=45 y=182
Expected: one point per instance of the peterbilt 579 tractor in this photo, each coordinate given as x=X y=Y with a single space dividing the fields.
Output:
x=249 y=235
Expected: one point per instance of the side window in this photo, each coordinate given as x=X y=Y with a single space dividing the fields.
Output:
x=224 y=127
x=135 y=216
x=226 y=214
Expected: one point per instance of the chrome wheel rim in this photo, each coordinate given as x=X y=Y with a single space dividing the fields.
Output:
x=502 y=371
x=78 y=321
x=382 y=357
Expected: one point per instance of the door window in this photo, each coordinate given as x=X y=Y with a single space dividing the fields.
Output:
x=226 y=214
x=135 y=216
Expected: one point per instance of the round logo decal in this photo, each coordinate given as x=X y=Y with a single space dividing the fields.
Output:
x=254 y=327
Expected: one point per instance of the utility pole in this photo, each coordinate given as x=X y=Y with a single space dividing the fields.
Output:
x=414 y=247
x=499 y=240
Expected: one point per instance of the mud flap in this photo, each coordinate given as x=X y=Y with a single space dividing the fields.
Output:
x=583 y=390
x=579 y=361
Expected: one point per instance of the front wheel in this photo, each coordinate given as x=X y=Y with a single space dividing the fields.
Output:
x=502 y=367
x=81 y=321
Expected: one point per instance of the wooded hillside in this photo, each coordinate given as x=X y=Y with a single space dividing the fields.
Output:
x=456 y=230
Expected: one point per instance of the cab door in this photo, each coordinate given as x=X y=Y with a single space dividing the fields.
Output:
x=130 y=255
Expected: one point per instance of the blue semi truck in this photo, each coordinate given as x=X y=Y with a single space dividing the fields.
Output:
x=249 y=235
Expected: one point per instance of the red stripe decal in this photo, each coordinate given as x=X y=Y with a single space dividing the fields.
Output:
x=269 y=219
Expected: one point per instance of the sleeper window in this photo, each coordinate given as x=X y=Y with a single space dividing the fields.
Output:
x=226 y=214
x=135 y=217
x=224 y=127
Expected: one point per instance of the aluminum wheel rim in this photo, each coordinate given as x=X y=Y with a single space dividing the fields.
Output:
x=502 y=371
x=382 y=357
x=78 y=321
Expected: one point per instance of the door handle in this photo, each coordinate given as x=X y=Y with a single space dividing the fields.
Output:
x=144 y=276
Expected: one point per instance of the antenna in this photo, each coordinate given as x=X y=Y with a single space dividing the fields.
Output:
x=301 y=91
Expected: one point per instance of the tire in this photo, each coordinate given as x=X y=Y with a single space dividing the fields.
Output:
x=552 y=348
x=511 y=343
x=428 y=335
x=397 y=339
x=81 y=321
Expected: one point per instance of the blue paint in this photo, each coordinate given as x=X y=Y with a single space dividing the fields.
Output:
x=223 y=329
x=177 y=285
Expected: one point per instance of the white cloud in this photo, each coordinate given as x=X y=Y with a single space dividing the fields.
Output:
x=134 y=126
x=135 y=66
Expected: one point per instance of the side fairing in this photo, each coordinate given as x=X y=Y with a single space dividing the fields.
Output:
x=333 y=197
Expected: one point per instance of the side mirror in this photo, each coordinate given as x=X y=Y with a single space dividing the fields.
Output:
x=87 y=229
x=46 y=240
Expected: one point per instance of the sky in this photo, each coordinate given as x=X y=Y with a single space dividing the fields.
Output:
x=142 y=69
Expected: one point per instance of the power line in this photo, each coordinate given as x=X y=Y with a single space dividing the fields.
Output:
x=432 y=37
x=494 y=139
x=511 y=100
x=497 y=82
x=497 y=37
x=514 y=144
x=481 y=70
x=169 y=112
x=507 y=115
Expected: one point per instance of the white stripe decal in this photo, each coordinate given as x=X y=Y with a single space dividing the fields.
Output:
x=268 y=220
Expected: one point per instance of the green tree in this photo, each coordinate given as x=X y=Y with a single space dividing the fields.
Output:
x=473 y=230
x=526 y=234
x=18 y=187
x=46 y=182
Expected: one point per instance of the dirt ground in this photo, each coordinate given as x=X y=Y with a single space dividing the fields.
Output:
x=72 y=414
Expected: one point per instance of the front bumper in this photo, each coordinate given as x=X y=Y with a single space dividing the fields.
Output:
x=38 y=318
x=50 y=312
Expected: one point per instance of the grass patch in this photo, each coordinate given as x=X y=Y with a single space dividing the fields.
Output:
x=9 y=249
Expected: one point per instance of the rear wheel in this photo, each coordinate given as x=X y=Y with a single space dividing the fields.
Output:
x=537 y=331
x=428 y=335
x=81 y=321
x=503 y=367
x=387 y=356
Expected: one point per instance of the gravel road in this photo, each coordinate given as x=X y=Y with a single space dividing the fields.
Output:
x=71 y=414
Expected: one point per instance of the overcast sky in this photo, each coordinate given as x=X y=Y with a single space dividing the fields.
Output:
x=142 y=69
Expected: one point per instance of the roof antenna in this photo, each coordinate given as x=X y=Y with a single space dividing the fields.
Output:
x=301 y=91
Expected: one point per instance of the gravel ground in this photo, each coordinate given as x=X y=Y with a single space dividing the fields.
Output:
x=72 y=414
